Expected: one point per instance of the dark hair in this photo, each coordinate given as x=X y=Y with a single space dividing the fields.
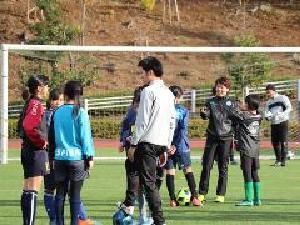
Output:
x=53 y=96
x=152 y=63
x=73 y=89
x=34 y=82
x=252 y=101
x=223 y=81
x=213 y=90
x=176 y=90
x=137 y=94
x=25 y=94
x=270 y=87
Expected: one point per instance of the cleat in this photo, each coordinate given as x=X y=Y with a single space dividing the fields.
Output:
x=245 y=203
x=276 y=164
x=220 y=199
x=257 y=203
x=196 y=202
x=86 y=222
x=202 y=198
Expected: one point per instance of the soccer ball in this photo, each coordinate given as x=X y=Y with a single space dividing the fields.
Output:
x=184 y=197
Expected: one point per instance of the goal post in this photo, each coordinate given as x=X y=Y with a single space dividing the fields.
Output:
x=7 y=48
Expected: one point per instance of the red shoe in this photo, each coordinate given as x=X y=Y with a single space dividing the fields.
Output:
x=86 y=222
x=173 y=203
x=196 y=202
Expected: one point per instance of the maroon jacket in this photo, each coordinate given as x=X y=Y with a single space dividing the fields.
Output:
x=31 y=124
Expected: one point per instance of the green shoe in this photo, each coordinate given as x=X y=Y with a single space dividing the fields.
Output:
x=257 y=200
x=245 y=203
x=257 y=203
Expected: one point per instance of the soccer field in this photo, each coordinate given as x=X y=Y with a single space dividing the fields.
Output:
x=280 y=196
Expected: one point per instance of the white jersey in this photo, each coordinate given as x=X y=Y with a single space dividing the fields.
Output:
x=278 y=109
x=155 y=120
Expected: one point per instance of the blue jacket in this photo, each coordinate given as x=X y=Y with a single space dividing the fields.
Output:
x=72 y=135
x=126 y=128
x=180 y=139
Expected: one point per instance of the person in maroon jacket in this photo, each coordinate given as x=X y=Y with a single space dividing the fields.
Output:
x=34 y=156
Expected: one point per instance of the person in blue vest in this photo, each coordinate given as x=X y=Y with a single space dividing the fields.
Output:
x=181 y=154
x=70 y=134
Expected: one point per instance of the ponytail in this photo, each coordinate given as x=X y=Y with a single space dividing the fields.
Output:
x=74 y=90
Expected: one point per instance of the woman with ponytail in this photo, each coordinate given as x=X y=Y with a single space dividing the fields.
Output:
x=70 y=135
x=34 y=156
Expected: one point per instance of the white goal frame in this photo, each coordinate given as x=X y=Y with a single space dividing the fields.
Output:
x=6 y=48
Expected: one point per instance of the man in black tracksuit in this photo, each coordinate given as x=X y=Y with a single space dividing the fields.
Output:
x=219 y=137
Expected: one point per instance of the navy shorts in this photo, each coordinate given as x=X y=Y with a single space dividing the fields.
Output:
x=35 y=163
x=73 y=170
x=182 y=160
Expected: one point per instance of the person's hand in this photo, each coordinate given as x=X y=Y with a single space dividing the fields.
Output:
x=131 y=154
x=268 y=115
x=45 y=145
x=91 y=164
x=172 y=150
x=121 y=148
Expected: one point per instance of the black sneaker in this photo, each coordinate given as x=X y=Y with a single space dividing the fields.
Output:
x=282 y=163
x=276 y=164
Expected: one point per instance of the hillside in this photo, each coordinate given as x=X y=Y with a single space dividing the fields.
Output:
x=203 y=23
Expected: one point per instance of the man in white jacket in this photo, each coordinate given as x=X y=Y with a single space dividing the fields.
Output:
x=277 y=110
x=154 y=130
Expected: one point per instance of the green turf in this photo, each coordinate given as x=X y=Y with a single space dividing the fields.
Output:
x=280 y=197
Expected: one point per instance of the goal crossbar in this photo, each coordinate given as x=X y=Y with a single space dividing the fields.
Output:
x=6 y=48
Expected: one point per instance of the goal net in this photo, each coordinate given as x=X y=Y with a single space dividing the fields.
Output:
x=110 y=74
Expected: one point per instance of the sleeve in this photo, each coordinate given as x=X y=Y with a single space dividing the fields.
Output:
x=125 y=128
x=51 y=138
x=86 y=139
x=172 y=121
x=31 y=123
x=143 y=116
x=288 y=106
x=205 y=114
x=267 y=113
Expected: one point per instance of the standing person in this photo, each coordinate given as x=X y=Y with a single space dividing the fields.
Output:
x=182 y=154
x=70 y=134
x=219 y=137
x=34 y=156
x=277 y=110
x=55 y=100
x=248 y=122
x=126 y=133
x=155 y=123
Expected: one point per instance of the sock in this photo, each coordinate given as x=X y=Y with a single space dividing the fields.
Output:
x=22 y=200
x=82 y=212
x=29 y=207
x=171 y=186
x=74 y=211
x=49 y=202
x=59 y=208
x=191 y=182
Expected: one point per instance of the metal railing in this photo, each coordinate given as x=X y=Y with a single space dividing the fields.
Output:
x=192 y=98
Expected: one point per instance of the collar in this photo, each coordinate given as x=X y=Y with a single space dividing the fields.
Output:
x=276 y=95
x=157 y=82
